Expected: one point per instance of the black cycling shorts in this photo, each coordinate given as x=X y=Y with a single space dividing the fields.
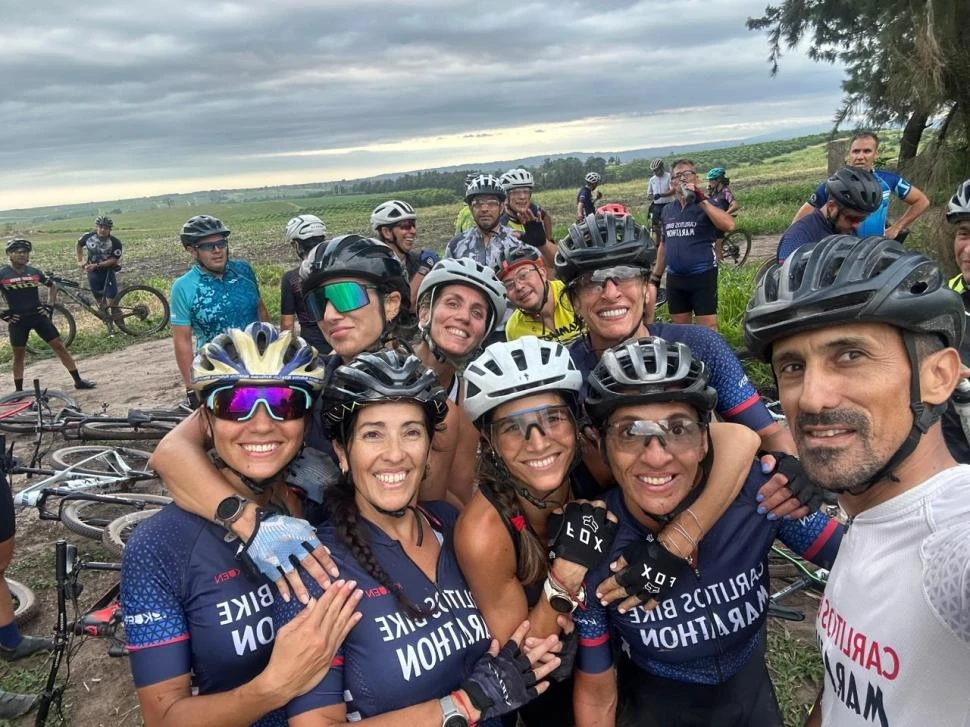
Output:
x=695 y=294
x=8 y=518
x=745 y=700
x=20 y=331
x=655 y=211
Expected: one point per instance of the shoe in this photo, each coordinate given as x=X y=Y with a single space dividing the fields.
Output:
x=14 y=705
x=82 y=384
x=28 y=645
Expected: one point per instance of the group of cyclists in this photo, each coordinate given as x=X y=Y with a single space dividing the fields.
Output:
x=498 y=492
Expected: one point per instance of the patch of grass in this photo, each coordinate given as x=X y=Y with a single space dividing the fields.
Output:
x=796 y=671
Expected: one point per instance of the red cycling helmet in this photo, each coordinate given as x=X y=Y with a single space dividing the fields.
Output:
x=615 y=208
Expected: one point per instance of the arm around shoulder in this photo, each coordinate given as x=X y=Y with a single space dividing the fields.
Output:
x=594 y=698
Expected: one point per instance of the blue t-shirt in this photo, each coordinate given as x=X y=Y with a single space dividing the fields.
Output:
x=710 y=622
x=585 y=195
x=190 y=608
x=689 y=236
x=389 y=661
x=810 y=228
x=737 y=399
x=211 y=304
x=875 y=223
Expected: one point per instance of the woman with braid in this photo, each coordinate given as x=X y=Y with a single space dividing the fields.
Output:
x=422 y=654
x=522 y=396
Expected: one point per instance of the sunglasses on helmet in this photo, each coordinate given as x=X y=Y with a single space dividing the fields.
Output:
x=238 y=403
x=346 y=296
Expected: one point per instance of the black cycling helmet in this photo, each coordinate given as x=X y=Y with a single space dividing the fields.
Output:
x=602 y=241
x=855 y=189
x=842 y=280
x=18 y=243
x=647 y=371
x=354 y=256
x=103 y=221
x=201 y=227
x=511 y=258
x=378 y=377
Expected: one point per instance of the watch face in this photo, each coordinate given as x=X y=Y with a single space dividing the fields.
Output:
x=560 y=604
x=228 y=507
x=456 y=720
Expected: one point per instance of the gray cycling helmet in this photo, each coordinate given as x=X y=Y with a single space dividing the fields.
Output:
x=648 y=371
x=958 y=208
x=200 y=227
x=506 y=371
x=104 y=221
x=484 y=185
x=18 y=243
x=390 y=213
x=467 y=272
x=842 y=279
x=517 y=179
x=603 y=241
x=855 y=189
x=593 y=178
x=379 y=377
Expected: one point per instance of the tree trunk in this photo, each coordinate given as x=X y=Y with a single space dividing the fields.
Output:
x=912 y=133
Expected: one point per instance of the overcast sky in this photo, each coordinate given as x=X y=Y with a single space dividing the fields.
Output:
x=104 y=99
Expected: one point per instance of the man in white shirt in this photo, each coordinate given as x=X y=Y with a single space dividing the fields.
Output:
x=659 y=193
x=863 y=337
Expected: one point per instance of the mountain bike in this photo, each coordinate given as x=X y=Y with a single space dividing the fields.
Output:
x=138 y=310
x=101 y=620
x=813 y=580
x=735 y=248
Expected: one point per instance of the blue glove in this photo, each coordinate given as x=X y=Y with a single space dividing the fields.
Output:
x=428 y=259
x=277 y=544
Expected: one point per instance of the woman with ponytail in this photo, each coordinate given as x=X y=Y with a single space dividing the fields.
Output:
x=421 y=655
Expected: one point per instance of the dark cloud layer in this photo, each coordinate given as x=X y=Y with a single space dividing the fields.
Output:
x=159 y=89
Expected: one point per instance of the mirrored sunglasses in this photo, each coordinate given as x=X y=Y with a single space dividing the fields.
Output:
x=593 y=283
x=346 y=296
x=239 y=403
x=674 y=435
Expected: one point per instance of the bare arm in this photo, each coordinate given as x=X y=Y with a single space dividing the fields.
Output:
x=814 y=718
x=805 y=209
x=263 y=313
x=916 y=204
x=461 y=477
x=594 y=698
x=661 y=263
x=775 y=438
x=182 y=342
x=286 y=322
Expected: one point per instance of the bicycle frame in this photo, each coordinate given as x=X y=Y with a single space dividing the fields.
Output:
x=68 y=481
x=76 y=292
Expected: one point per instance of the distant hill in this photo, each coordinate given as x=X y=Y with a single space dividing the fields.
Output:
x=11 y=219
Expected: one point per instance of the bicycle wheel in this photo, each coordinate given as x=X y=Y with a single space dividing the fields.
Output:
x=64 y=322
x=25 y=421
x=735 y=248
x=120 y=429
x=108 y=464
x=89 y=518
x=25 y=604
x=140 y=310
x=117 y=532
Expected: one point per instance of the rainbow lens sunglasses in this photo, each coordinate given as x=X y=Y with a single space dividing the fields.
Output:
x=238 y=403
x=346 y=296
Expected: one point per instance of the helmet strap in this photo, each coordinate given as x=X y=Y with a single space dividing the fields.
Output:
x=924 y=417
x=257 y=486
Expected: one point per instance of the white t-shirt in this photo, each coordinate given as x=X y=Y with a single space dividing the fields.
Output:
x=894 y=624
x=659 y=185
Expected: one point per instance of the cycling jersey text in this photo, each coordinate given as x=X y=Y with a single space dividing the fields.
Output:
x=244 y=608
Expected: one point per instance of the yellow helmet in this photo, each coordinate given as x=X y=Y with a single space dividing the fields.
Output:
x=261 y=354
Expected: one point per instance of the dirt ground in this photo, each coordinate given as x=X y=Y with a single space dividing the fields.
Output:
x=140 y=376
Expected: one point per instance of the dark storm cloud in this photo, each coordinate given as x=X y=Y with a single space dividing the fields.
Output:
x=147 y=89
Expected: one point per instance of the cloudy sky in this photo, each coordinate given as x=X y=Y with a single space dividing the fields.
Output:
x=106 y=99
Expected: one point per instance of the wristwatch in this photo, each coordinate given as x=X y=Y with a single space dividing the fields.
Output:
x=230 y=510
x=451 y=716
x=560 y=599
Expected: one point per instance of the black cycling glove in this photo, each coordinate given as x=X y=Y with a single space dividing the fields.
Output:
x=651 y=569
x=501 y=684
x=567 y=655
x=803 y=489
x=582 y=534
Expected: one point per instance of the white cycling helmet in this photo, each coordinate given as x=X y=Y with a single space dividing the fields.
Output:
x=656 y=164
x=467 y=271
x=507 y=371
x=391 y=212
x=482 y=185
x=593 y=178
x=517 y=179
x=305 y=227
x=958 y=208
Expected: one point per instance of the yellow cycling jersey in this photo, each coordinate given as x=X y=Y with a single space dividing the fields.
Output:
x=566 y=328
x=957 y=283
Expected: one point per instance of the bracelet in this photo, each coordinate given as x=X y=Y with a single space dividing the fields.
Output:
x=681 y=530
x=678 y=552
x=697 y=522
x=458 y=697
x=574 y=596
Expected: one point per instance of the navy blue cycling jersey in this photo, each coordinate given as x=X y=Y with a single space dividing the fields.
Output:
x=875 y=223
x=737 y=399
x=585 y=195
x=190 y=609
x=390 y=661
x=810 y=228
x=689 y=236
x=710 y=622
